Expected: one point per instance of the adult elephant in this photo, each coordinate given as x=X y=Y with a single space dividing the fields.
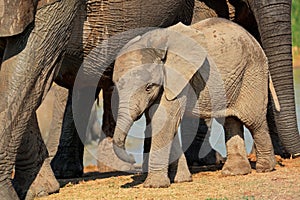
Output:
x=34 y=43
x=270 y=23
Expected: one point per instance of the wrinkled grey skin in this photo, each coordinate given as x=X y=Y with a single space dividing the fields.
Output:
x=257 y=17
x=212 y=69
x=101 y=21
x=32 y=60
x=105 y=154
x=261 y=18
x=280 y=69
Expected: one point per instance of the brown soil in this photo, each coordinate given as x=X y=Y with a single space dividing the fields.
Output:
x=282 y=183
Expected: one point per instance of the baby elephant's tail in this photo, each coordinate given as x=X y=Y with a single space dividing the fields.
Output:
x=274 y=95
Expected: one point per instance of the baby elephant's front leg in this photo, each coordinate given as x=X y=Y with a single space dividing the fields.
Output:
x=164 y=123
x=159 y=160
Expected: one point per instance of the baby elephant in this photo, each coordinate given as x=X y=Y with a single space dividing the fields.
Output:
x=212 y=69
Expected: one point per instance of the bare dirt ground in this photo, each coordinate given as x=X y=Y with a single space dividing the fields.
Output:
x=282 y=183
x=208 y=183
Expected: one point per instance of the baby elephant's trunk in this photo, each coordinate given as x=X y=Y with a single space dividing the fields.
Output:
x=120 y=134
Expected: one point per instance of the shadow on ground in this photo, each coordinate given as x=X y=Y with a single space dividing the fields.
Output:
x=91 y=176
x=137 y=178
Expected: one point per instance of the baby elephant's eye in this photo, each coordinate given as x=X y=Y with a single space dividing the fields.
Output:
x=149 y=86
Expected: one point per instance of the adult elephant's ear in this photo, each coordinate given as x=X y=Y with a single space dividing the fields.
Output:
x=184 y=58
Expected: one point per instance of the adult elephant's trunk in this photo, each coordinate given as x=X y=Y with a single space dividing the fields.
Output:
x=124 y=122
x=274 y=22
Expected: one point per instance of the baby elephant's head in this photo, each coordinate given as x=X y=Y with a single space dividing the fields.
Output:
x=138 y=77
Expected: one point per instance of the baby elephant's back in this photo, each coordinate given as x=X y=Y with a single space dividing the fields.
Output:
x=240 y=61
x=228 y=44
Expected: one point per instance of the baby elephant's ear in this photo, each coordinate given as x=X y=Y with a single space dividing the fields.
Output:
x=183 y=60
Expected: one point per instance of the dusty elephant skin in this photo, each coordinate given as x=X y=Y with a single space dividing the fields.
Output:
x=260 y=18
x=252 y=15
x=248 y=14
x=95 y=22
x=26 y=75
x=32 y=60
x=284 y=122
x=212 y=69
x=280 y=66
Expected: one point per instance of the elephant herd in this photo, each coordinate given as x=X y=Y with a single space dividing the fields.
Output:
x=75 y=43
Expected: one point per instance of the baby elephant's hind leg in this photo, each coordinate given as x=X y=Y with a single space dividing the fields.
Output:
x=264 y=149
x=237 y=162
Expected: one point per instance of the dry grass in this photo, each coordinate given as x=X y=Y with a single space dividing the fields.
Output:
x=283 y=183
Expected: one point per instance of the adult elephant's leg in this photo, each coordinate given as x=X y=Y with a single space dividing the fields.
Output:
x=68 y=160
x=270 y=16
x=26 y=75
x=108 y=122
x=195 y=135
x=31 y=154
x=147 y=143
x=59 y=105
x=178 y=168
x=45 y=182
x=2 y=47
x=107 y=159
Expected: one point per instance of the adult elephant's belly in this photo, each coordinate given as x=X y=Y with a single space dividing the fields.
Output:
x=102 y=28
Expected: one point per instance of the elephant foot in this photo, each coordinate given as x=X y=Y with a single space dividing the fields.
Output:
x=108 y=160
x=265 y=164
x=64 y=169
x=44 y=184
x=183 y=177
x=67 y=165
x=236 y=167
x=157 y=180
x=180 y=176
x=179 y=171
x=210 y=157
